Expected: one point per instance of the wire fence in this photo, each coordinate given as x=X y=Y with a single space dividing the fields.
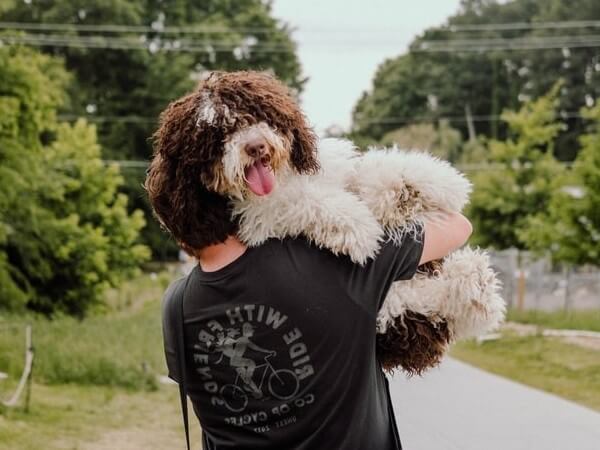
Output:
x=537 y=284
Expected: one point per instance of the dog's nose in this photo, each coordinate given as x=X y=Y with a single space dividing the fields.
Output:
x=256 y=147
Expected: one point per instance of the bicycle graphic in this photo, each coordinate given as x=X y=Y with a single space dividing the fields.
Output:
x=281 y=384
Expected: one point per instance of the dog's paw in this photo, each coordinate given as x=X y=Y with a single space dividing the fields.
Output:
x=473 y=302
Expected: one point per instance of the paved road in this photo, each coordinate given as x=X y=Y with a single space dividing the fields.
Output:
x=458 y=407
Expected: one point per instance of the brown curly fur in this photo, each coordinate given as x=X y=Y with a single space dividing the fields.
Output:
x=414 y=343
x=187 y=164
x=188 y=152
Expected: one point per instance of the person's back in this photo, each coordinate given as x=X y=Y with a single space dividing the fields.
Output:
x=280 y=348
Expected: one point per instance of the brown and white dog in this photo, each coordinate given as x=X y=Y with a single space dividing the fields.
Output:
x=237 y=156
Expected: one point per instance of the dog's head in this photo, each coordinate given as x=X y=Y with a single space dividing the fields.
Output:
x=227 y=139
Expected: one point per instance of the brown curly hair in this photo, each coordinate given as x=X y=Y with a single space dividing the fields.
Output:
x=188 y=151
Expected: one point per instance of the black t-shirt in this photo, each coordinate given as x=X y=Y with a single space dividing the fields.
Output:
x=280 y=348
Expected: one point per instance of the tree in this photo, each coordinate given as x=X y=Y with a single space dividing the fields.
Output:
x=399 y=94
x=442 y=140
x=65 y=233
x=31 y=87
x=124 y=90
x=570 y=229
x=431 y=85
x=522 y=175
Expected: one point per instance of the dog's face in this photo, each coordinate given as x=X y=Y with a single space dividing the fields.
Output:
x=230 y=138
x=252 y=156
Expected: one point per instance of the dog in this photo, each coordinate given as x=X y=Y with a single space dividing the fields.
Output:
x=237 y=156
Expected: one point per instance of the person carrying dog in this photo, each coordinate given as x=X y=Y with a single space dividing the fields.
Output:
x=278 y=340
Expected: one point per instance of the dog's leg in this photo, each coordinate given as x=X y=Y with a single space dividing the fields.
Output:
x=473 y=303
x=420 y=317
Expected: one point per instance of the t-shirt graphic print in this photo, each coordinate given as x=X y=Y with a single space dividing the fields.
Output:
x=251 y=371
x=280 y=348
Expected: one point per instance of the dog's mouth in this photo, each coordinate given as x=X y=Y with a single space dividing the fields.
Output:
x=260 y=178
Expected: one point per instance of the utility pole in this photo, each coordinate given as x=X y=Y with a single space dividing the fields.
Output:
x=470 y=124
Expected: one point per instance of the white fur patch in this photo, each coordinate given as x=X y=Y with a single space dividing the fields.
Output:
x=466 y=293
x=338 y=159
x=328 y=216
x=206 y=110
x=404 y=189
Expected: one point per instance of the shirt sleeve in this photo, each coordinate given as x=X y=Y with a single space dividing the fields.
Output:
x=170 y=331
x=369 y=284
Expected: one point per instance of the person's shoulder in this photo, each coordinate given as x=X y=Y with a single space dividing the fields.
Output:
x=288 y=242
x=174 y=285
x=171 y=291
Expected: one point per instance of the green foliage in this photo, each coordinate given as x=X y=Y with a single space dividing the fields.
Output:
x=523 y=178
x=568 y=320
x=399 y=93
x=122 y=348
x=570 y=228
x=65 y=233
x=474 y=152
x=431 y=85
x=28 y=100
x=116 y=83
x=442 y=140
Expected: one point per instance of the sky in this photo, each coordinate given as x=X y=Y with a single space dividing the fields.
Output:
x=341 y=43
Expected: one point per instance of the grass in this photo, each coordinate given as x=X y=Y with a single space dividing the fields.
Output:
x=122 y=348
x=77 y=417
x=548 y=364
x=572 y=320
x=95 y=382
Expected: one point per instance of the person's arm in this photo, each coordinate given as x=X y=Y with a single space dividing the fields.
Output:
x=169 y=329
x=444 y=236
x=399 y=260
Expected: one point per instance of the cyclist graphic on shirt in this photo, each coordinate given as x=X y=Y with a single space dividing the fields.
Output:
x=234 y=348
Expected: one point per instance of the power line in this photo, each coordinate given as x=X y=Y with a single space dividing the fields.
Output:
x=509 y=26
x=526 y=43
x=194 y=46
x=384 y=120
x=102 y=119
x=212 y=29
x=127 y=163
x=101 y=42
x=480 y=118
x=112 y=28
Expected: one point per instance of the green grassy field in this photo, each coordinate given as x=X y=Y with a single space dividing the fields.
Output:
x=563 y=369
x=95 y=380
x=76 y=417
x=121 y=347
x=574 y=320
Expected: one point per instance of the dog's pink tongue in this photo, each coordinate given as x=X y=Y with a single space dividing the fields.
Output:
x=260 y=178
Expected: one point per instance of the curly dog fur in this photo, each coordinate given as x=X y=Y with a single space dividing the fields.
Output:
x=342 y=200
x=186 y=182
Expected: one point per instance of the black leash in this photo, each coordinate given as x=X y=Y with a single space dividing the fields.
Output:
x=177 y=313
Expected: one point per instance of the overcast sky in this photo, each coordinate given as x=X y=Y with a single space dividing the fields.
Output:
x=341 y=43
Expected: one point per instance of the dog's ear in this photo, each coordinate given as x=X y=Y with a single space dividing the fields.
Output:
x=194 y=216
x=184 y=154
x=304 y=156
